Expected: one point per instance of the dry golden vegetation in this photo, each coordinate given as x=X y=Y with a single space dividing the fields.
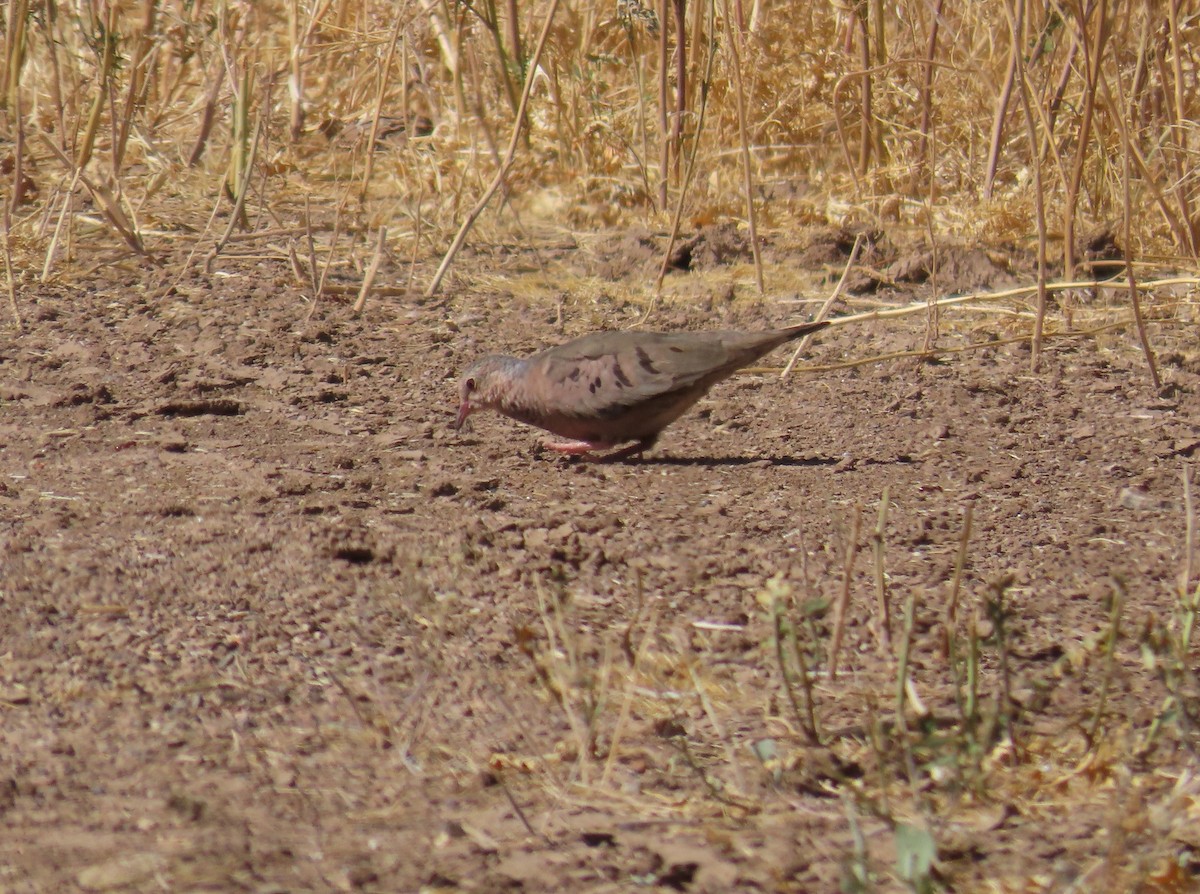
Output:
x=368 y=142
x=130 y=125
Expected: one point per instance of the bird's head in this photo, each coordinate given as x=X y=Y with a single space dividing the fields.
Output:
x=484 y=385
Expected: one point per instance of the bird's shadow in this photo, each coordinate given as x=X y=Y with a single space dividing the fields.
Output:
x=783 y=461
x=718 y=461
x=713 y=462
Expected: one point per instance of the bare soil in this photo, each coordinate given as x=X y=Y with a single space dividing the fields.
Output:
x=268 y=625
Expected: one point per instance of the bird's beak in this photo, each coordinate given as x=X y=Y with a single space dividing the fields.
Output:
x=464 y=410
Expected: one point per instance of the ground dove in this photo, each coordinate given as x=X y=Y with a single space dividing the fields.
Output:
x=610 y=388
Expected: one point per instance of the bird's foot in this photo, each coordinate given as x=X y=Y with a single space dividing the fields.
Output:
x=584 y=449
x=637 y=448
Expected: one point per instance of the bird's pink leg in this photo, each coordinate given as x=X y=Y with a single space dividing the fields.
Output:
x=576 y=448
x=586 y=449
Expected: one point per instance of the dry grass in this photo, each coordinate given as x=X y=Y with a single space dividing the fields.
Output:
x=964 y=749
x=129 y=122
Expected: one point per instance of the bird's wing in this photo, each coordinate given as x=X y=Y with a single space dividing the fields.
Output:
x=607 y=373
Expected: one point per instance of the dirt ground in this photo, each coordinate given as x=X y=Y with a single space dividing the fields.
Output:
x=268 y=625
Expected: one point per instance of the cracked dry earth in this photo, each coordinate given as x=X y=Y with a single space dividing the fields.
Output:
x=269 y=626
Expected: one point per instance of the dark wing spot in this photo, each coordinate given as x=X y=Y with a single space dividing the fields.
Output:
x=594 y=385
x=619 y=374
x=676 y=349
x=574 y=375
x=645 y=362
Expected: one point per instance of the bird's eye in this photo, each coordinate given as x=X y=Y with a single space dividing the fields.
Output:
x=469 y=385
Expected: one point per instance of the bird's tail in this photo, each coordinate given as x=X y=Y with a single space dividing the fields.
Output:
x=794 y=332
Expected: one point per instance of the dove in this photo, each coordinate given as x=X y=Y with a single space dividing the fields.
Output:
x=613 y=387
